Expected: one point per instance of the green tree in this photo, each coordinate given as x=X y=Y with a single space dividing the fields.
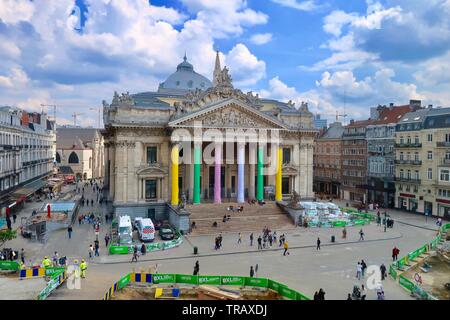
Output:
x=6 y=235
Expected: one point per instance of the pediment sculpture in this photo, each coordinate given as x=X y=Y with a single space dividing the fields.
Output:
x=229 y=117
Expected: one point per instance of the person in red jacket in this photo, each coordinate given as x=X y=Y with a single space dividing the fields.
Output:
x=395 y=253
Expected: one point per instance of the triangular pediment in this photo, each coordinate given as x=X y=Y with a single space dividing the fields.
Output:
x=229 y=113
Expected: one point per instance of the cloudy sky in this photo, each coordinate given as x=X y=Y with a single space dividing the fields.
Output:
x=336 y=54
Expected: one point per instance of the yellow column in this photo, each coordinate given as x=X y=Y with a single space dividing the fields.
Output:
x=278 y=175
x=174 y=158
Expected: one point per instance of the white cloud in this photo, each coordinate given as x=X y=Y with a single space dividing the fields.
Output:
x=16 y=79
x=308 y=5
x=334 y=22
x=261 y=38
x=13 y=11
x=245 y=68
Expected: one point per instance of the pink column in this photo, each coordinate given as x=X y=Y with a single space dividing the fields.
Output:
x=217 y=168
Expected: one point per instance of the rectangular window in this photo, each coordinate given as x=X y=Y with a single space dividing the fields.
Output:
x=430 y=174
x=447 y=137
x=430 y=137
x=416 y=139
x=445 y=175
x=287 y=155
x=430 y=155
x=285 y=185
x=151 y=155
x=150 y=189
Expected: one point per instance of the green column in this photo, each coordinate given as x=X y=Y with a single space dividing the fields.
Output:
x=259 y=175
x=197 y=161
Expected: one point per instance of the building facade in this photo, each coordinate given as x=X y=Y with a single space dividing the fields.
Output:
x=82 y=150
x=26 y=149
x=381 y=155
x=203 y=141
x=319 y=123
x=328 y=162
x=354 y=161
x=423 y=162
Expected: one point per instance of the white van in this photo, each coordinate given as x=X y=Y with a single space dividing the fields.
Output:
x=145 y=228
x=125 y=230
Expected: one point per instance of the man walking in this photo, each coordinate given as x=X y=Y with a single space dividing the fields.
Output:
x=251 y=239
x=259 y=243
x=358 y=271
x=252 y=272
x=363 y=268
x=69 y=231
x=106 y=240
x=395 y=253
x=135 y=254
x=196 y=268
x=22 y=255
x=383 y=271
x=318 y=244
x=361 y=235
x=286 y=247
x=239 y=238
x=256 y=270
x=96 y=245
x=91 y=251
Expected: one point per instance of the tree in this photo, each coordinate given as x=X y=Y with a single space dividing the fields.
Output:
x=6 y=235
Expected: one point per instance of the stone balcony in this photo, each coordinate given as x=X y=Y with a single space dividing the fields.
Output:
x=408 y=145
x=443 y=144
x=409 y=162
x=406 y=179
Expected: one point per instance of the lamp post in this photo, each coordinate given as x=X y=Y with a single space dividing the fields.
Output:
x=385 y=220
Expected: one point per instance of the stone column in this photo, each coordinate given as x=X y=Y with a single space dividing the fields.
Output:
x=175 y=188
x=260 y=176
x=241 y=163
x=217 y=168
x=278 y=178
x=197 y=168
x=251 y=175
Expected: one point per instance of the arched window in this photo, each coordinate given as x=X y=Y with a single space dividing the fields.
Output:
x=58 y=158
x=73 y=158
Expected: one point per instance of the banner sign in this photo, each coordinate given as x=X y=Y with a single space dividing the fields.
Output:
x=233 y=281
x=9 y=265
x=405 y=283
x=209 y=280
x=164 y=278
x=118 y=250
x=124 y=281
x=54 y=271
x=275 y=286
x=256 y=282
x=287 y=293
x=393 y=272
x=187 y=279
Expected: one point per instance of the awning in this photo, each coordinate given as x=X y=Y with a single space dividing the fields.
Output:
x=22 y=193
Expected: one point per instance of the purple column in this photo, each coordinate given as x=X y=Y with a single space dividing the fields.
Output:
x=240 y=161
x=217 y=168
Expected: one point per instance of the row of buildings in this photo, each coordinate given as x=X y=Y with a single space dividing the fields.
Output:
x=27 y=149
x=400 y=158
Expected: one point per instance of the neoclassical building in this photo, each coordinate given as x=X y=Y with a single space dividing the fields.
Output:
x=204 y=141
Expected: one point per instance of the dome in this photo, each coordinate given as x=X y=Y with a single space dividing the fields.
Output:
x=185 y=78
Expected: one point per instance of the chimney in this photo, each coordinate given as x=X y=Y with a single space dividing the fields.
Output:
x=417 y=103
x=430 y=106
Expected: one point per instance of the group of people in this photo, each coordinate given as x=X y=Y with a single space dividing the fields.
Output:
x=361 y=269
x=237 y=209
x=136 y=252
x=320 y=295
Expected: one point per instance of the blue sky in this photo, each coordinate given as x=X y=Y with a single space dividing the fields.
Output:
x=337 y=55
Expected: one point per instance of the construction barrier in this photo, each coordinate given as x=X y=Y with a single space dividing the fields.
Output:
x=40 y=272
x=57 y=278
x=195 y=280
x=117 y=249
x=410 y=257
x=9 y=265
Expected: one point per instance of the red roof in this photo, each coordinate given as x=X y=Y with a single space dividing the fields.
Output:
x=394 y=114
x=360 y=123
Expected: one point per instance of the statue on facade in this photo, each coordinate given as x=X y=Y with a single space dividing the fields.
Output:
x=182 y=203
x=295 y=199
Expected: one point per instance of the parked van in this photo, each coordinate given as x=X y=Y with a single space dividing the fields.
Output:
x=145 y=228
x=125 y=230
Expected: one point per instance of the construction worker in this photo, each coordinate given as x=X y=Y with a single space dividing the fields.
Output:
x=83 y=267
x=46 y=262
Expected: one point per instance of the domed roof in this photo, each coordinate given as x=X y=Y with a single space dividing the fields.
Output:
x=185 y=78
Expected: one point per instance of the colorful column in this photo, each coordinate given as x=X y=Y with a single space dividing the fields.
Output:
x=278 y=175
x=197 y=161
x=175 y=187
x=259 y=175
x=217 y=168
x=240 y=161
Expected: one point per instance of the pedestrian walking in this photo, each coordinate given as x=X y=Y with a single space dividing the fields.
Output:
x=286 y=247
x=239 y=238
x=318 y=244
x=358 y=271
x=252 y=272
x=107 y=240
x=96 y=246
x=363 y=268
x=251 y=239
x=259 y=243
x=143 y=249
x=91 y=251
x=256 y=270
x=22 y=255
x=270 y=240
x=274 y=236
x=83 y=268
x=321 y=294
x=383 y=271
x=344 y=233
x=265 y=241
x=135 y=254
x=361 y=235
x=69 y=231
x=395 y=253
x=196 y=268
x=55 y=259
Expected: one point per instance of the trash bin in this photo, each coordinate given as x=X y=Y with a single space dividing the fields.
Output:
x=332 y=238
x=195 y=250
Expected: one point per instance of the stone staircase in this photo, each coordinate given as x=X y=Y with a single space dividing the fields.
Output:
x=253 y=218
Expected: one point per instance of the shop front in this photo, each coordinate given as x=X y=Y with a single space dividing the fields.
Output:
x=443 y=208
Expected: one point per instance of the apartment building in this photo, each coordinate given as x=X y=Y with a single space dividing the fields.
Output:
x=27 y=141
x=381 y=155
x=423 y=162
x=327 y=161
x=354 y=161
